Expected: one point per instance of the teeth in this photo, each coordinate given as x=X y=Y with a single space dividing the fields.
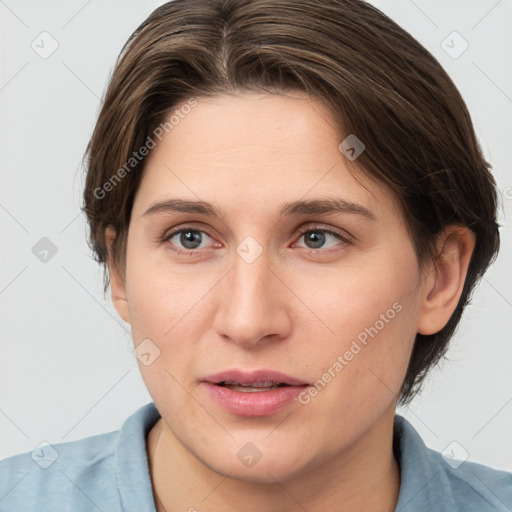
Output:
x=249 y=389
x=251 y=384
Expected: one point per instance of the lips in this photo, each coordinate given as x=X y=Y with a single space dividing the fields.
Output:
x=255 y=393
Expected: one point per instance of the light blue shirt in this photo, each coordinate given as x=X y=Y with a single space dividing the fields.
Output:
x=110 y=473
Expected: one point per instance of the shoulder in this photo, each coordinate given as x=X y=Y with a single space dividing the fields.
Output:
x=434 y=481
x=106 y=472
x=482 y=485
x=79 y=470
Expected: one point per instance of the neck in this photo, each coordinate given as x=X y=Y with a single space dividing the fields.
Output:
x=364 y=477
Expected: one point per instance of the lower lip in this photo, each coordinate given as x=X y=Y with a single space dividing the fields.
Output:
x=256 y=403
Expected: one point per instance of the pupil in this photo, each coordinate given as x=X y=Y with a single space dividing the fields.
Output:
x=189 y=238
x=315 y=240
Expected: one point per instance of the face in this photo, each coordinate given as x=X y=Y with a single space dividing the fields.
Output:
x=255 y=257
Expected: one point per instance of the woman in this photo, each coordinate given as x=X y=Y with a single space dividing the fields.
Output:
x=293 y=210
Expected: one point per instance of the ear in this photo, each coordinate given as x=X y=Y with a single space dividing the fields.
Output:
x=117 y=284
x=443 y=286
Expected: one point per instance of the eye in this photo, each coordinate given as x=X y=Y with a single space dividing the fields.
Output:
x=188 y=239
x=321 y=238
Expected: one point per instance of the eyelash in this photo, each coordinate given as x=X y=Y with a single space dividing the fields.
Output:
x=194 y=252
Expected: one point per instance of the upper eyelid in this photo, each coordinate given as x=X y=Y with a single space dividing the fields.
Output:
x=326 y=229
x=175 y=230
x=302 y=229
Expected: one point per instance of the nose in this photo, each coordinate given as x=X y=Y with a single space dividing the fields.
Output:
x=253 y=304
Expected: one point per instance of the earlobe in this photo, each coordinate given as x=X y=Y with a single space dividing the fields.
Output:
x=117 y=284
x=444 y=284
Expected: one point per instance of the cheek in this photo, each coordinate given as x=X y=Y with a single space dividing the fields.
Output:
x=166 y=309
x=353 y=298
x=171 y=306
x=367 y=326
x=162 y=298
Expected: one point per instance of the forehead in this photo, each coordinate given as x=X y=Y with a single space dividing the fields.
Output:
x=252 y=151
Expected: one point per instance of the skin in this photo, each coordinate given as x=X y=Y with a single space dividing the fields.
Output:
x=295 y=309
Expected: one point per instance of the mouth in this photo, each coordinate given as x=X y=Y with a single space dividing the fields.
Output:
x=257 y=379
x=252 y=387
x=255 y=393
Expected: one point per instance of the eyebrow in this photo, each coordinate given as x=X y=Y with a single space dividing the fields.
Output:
x=310 y=207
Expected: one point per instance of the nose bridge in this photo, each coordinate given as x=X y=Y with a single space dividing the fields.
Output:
x=251 y=306
x=250 y=282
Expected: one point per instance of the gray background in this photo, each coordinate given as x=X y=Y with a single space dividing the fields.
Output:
x=67 y=369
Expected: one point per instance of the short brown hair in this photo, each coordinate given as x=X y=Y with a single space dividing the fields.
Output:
x=379 y=82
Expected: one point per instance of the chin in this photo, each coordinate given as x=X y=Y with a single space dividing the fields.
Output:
x=261 y=473
x=267 y=465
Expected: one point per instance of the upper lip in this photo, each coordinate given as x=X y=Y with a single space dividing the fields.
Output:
x=255 y=376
